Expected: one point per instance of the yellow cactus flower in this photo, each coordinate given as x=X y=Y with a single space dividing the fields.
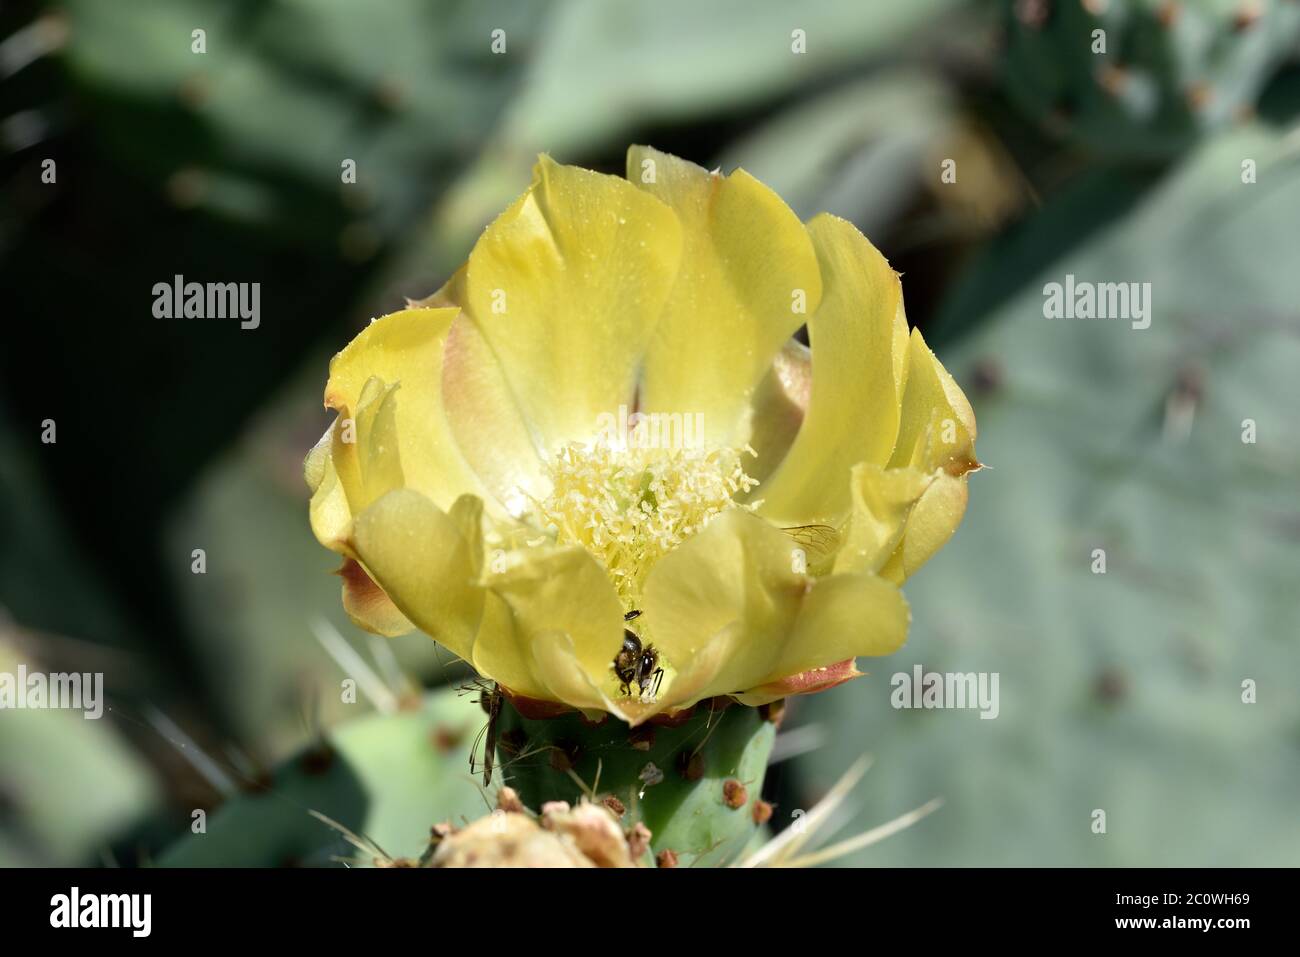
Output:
x=605 y=412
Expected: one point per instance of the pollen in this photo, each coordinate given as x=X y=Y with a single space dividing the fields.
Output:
x=630 y=506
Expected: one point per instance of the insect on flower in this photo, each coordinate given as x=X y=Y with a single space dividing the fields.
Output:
x=638 y=664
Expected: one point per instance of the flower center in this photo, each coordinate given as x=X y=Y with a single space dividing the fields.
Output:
x=630 y=506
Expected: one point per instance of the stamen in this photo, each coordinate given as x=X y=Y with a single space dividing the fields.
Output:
x=630 y=506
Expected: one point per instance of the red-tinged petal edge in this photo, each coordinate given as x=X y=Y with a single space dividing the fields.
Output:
x=811 y=681
x=368 y=605
x=361 y=584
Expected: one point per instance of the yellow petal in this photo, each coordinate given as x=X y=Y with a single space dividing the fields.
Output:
x=747 y=267
x=734 y=579
x=331 y=518
x=565 y=611
x=365 y=446
x=729 y=607
x=416 y=553
x=491 y=431
x=558 y=664
x=500 y=652
x=368 y=605
x=856 y=371
x=780 y=403
x=565 y=287
x=930 y=524
x=882 y=500
x=467 y=514
x=843 y=617
x=403 y=352
x=937 y=426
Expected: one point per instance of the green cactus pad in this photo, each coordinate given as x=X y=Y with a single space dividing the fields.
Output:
x=1119 y=691
x=387 y=777
x=712 y=768
x=1144 y=79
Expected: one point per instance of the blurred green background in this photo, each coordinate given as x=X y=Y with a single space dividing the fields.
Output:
x=1120 y=692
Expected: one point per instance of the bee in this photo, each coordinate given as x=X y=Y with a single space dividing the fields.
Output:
x=489 y=698
x=635 y=663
